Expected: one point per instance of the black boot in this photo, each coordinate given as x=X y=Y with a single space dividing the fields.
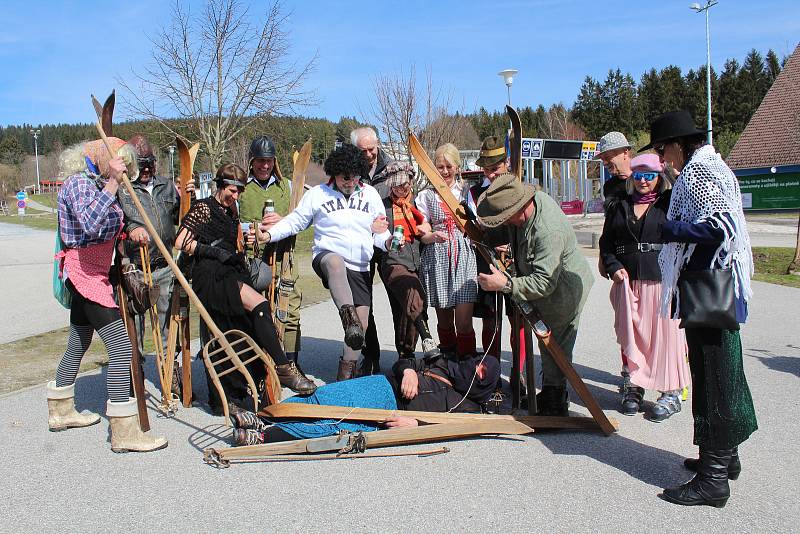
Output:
x=552 y=401
x=632 y=400
x=430 y=350
x=710 y=484
x=347 y=370
x=734 y=467
x=353 y=329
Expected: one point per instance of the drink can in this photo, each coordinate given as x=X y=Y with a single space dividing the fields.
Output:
x=397 y=238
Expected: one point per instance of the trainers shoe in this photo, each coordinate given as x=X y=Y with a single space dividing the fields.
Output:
x=430 y=350
x=666 y=406
x=632 y=400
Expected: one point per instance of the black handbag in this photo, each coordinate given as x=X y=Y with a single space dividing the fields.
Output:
x=707 y=299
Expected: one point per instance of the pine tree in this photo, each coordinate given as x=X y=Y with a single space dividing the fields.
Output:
x=772 y=66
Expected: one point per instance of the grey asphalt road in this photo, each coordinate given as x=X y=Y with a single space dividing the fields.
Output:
x=551 y=482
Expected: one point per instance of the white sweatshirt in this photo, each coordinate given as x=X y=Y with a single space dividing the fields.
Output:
x=341 y=225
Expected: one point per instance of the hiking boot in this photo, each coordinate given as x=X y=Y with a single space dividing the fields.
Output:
x=734 y=466
x=353 y=329
x=347 y=370
x=430 y=350
x=245 y=419
x=632 y=400
x=247 y=436
x=552 y=401
x=666 y=405
x=291 y=377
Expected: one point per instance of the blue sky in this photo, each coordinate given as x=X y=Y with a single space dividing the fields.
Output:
x=54 y=54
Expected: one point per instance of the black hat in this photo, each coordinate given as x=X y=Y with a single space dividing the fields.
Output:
x=670 y=126
x=263 y=147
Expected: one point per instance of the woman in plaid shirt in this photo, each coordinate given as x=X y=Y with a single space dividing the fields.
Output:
x=90 y=220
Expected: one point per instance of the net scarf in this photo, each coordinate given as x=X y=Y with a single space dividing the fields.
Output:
x=707 y=191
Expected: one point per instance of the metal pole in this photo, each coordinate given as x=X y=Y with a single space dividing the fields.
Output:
x=36 y=151
x=708 y=74
x=172 y=161
x=509 y=93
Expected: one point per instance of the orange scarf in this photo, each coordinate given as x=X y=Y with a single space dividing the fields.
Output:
x=406 y=215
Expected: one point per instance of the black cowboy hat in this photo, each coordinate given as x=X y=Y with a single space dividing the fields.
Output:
x=670 y=126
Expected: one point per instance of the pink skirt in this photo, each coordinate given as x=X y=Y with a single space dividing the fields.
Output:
x=654 y=345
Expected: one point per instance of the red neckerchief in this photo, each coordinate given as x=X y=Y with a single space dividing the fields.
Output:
x=405 y=216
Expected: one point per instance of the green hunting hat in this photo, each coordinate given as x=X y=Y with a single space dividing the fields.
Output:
x=505 y=197
x=493 y=150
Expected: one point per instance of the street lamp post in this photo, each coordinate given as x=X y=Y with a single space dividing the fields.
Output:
x=172 y=160
x=508 y=78
x=36 y=151
x=700 y=9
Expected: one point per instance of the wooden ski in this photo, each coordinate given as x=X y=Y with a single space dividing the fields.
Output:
x=296 y=410
x=211 y=457
x=219 y=342
x=529 y=312
x=360 y=441
x=515 y=142
x=179 y=327
x=288 y=275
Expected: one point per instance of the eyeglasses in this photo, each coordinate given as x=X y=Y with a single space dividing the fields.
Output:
x=146 y=163
x=646 y=176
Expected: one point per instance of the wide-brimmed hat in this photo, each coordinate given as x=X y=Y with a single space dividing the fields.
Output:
x=670 y=126
x=493 y=150
x=612 y=141
x=505 y=197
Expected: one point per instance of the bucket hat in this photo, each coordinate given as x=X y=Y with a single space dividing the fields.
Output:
x=612 y=141
x=504 y=197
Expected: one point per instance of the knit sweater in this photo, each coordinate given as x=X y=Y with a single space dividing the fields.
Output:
x=342 y=225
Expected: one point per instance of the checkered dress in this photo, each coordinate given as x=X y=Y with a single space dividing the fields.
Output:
x=448 y=272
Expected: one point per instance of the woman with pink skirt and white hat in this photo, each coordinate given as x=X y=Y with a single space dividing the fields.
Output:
x=654 y=346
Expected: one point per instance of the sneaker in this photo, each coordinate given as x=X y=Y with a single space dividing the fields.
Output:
x=632 y=400
x=666 y=406
x=430 y=350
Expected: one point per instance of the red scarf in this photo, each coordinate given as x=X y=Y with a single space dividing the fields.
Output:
x=406 y=215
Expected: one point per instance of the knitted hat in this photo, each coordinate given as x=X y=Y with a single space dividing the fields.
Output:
x=493 y=150
x=647 y=163
x=504 y=198
x=612 y=141
x=97 y=152
x=398 y=173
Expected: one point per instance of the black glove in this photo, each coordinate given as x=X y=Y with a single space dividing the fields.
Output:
x=215 y=253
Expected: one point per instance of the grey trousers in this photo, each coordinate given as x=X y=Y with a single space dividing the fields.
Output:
x=165 y=279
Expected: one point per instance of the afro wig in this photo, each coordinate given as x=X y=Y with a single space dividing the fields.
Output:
x=347 y=160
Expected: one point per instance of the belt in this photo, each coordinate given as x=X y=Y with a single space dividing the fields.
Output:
x=158 y=263
x=630 y=248
x=439 y=378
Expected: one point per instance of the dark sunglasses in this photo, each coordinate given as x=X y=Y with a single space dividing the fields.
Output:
x=646 y=176
x=146 y=163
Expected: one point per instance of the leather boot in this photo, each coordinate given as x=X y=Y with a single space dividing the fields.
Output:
x=126 y=434
x=347 y=370
x=247 y=436
x=632 y=398
x=61 y=413
x=734 y=466
x=552 y=401
x=353 y=329
x=244 y=419
x=709 y=486
x=291 y=377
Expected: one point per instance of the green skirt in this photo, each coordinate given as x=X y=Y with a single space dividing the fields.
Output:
x=722 y=406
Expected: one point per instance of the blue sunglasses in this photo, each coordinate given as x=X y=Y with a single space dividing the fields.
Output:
x=646 y=176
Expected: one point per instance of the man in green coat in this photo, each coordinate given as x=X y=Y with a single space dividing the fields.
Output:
x=550 y=271
x=267 y=183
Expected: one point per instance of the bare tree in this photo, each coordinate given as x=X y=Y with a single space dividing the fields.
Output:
x=400 y=106
x=218 y=71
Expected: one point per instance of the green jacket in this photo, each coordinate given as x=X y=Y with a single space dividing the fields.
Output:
x=551 y=272
x=251 y=201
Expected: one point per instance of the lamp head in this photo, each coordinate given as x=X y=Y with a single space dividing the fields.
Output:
x=508 y=75
x=697 y=7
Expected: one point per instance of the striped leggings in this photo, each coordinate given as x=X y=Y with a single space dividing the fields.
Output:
x=85 y=318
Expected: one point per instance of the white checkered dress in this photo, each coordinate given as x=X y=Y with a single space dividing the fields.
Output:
x=449 y=272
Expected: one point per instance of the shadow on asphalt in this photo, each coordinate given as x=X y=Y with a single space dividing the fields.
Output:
x=775 y=362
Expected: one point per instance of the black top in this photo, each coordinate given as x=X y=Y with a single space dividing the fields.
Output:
x=621 y=228
x=613 y=190
x=377 y=181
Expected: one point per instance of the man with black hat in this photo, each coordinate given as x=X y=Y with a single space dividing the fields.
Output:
x=266 y=183
x=551 y=273
x=161 y=201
